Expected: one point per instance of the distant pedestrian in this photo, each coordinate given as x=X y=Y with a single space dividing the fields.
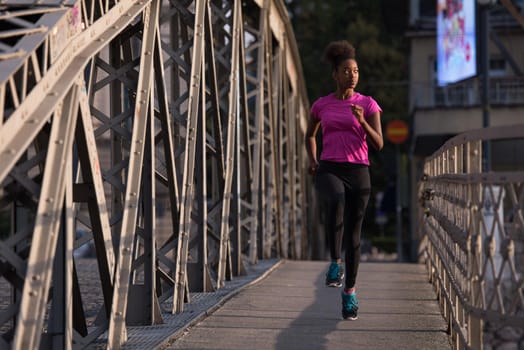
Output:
x=349 y=122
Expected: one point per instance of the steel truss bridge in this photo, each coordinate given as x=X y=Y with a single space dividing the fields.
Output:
x=168 y=132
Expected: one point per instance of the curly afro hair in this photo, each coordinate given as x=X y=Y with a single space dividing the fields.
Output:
x=338 y=51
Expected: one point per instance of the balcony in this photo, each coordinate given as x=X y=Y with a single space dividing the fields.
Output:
x=502 y=91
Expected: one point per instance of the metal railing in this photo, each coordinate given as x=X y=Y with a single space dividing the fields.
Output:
x=471 y=227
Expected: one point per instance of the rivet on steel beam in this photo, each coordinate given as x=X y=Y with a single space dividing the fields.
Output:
x=32 y=293
x=133 y=193
x=35 y=277
x=59 y=142
x=49 y=200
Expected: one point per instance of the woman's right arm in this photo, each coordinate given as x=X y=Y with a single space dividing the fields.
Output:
x=311 y=143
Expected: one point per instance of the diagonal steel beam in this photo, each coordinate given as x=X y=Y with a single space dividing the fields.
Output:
x=36 y=109
x=189 y=157
x=233 y=103
x=45 y=234
x=98 y=211
x=514 y=11
x=117 y=334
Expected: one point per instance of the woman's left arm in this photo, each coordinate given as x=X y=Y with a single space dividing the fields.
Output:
x=372 y=126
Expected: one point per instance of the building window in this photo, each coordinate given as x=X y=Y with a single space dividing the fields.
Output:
x=497 y=67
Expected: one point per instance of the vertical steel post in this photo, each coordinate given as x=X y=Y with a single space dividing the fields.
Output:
x=398 y=204
x=484 y=40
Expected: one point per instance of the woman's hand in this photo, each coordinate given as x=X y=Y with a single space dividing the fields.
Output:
x=313 y=166
x=358 y=112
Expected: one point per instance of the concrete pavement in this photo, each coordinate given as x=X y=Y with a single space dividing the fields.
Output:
x=292 y=309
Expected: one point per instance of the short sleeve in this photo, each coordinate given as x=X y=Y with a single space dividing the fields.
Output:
x=315 y=109
x=372 y=107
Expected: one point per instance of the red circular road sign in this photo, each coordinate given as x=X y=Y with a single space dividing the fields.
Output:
x=397 y=131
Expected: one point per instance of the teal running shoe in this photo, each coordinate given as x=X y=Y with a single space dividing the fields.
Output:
x=349 y=306
x=335 y=275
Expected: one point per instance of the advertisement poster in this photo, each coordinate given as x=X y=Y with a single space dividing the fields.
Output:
x=456 y=41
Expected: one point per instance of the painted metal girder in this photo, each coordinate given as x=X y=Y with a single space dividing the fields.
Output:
x=168 y=133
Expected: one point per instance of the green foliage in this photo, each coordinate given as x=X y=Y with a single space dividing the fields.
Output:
x=382 y=67
x=375 y=28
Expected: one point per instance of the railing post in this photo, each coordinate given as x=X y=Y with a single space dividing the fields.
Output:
x=474 y=166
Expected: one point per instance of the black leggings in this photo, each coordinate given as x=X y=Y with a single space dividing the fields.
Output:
x=344 y=189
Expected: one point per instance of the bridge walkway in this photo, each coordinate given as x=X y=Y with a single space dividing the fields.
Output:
x=292 y=309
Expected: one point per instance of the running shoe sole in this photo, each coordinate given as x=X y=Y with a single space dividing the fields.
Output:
x=353 y=318
x=335 y=283
x=349 y=315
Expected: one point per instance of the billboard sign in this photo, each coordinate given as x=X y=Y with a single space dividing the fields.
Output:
x=456 y=41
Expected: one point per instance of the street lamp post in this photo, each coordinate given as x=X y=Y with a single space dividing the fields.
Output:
x=484 y=7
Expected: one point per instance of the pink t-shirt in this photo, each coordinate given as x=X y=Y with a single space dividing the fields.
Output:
x=343 y=138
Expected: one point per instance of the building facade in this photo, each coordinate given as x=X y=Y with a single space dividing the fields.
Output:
x=440 y=112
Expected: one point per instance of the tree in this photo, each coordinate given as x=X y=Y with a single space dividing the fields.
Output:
x=375 y=28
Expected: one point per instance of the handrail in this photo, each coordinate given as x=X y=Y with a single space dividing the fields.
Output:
x=471 y=226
